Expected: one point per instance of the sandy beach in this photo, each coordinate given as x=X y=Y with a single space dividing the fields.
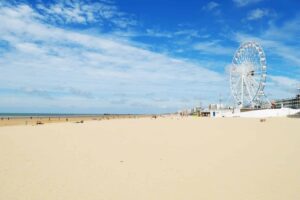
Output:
x=166 y=158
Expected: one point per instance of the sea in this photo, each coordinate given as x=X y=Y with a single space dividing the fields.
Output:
x=22 y=115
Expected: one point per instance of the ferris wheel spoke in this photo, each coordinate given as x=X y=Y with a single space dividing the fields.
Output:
x=237 y=83
x=256 y=85
x=236 y=89
x=250 y=89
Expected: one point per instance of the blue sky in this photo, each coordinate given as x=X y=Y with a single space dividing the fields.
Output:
x=138 y=56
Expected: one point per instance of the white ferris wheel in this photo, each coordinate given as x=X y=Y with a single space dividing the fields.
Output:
x=248 y=75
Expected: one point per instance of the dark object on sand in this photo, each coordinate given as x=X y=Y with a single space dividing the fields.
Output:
x=39 y=123
x=262 y=120
x=80 y=122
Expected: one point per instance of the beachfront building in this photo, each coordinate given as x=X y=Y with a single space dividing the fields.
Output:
x=288 y=103
x=215 y=106
x=219 y=110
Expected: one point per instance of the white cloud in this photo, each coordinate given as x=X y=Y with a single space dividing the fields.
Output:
x=187 y=33
x=292 y=27
x=82 y=12
x=241 y=3
x=213 y=48
x=274 y=47
x=257 y=14
x=285 y=81
x=52 y=68
x=210 y=6
x=190 y=33
x=156 y=33
x=282 y=87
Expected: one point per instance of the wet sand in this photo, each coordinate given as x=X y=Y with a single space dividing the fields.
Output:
x=164 y=158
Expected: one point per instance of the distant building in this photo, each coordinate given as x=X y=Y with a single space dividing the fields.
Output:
x=215 y=106
x=287 y=103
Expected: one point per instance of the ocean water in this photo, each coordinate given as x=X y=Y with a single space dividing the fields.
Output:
x=16 y=115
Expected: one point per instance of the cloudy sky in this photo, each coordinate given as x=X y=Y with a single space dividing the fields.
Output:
x=138 y=56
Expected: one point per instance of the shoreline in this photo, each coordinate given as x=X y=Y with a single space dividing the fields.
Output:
x=63 y=118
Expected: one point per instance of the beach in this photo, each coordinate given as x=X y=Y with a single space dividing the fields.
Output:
x=168 y=158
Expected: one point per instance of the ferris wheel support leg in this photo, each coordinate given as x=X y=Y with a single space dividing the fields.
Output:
x=242 y=87
x=268 y=101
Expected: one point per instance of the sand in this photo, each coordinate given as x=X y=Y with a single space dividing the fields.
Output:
x=164 y=158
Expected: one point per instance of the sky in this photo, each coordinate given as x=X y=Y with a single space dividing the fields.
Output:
x=139 y=56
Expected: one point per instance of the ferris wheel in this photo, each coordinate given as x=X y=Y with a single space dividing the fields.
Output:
x=248 y=74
